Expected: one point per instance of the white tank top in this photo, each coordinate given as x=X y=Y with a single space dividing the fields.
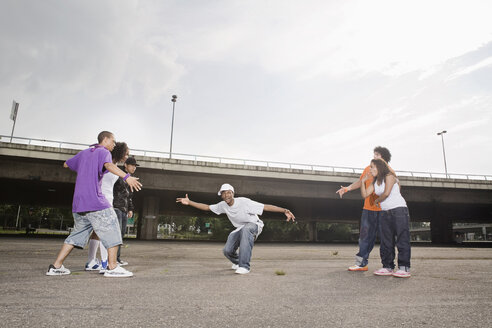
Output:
x=394 y=199
x=107 y=184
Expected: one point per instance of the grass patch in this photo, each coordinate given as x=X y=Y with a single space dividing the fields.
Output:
x=334 y=253
x=280 y=272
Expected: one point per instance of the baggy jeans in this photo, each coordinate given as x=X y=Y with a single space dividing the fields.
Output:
x=243 y=239
x=103 y=222
x=369 y=226
x=395 y=226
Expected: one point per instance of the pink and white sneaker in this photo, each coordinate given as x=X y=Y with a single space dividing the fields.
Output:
x=383 y=272
x=402 y=274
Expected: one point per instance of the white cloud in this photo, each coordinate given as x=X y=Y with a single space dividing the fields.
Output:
x=469 y=125
x=151 y=72
x=467 y=70
x=313 y=38
x=297 y=81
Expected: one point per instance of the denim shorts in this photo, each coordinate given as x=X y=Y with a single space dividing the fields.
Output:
x=104 y=223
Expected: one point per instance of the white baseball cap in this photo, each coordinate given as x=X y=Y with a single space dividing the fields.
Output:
x=225 y=187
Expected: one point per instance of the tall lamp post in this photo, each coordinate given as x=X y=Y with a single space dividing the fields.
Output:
x=173 y=99
x=443 y=152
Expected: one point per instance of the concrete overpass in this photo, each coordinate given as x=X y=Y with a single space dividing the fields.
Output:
x=31 y=174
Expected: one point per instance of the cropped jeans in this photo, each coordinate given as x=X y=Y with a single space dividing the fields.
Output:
x=395 y=230
x=243 y=239
x=369 y=227
x=103 y=222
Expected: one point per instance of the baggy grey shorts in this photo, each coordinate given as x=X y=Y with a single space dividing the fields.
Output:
x=104 y=223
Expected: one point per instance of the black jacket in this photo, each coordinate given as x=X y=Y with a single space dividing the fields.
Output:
x=122 y=196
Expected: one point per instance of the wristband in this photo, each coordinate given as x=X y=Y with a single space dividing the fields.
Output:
x=126 y=176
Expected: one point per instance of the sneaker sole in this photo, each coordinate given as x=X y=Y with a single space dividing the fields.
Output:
x=398 y=276
x=358 y=269
x=57 y=274
x=383 y=274
x=117 y=276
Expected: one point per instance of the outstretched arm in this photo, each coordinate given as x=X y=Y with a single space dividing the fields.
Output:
x=187 y=201
x=272 y=208
x=131 y=181
x=353 y=186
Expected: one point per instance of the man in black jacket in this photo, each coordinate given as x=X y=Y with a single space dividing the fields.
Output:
x=122 y=203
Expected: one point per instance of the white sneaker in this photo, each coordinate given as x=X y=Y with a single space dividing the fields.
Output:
x=93 y=265
x=242 y=270
x=118 y=272
x=402 y=274
x=52 y=271
x=383 y=272
x=235 y=266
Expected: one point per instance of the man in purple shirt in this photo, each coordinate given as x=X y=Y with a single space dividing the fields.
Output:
x=91 y=210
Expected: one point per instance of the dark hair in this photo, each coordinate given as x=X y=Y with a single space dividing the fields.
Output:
x=102 y=135
x=384 y=152
x=119 y=151
x=383 y=170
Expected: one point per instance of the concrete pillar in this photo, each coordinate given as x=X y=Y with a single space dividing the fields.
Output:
x=150 y=215
x=441 y=230
x=312 y=231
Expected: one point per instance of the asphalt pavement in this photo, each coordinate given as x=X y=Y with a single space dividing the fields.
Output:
x=190 y=284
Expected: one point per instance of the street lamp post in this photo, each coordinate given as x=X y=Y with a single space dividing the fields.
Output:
x=443 y=152
x=173 y=99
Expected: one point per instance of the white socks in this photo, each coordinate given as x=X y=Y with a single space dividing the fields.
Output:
x=93 y=244
x=104 y=253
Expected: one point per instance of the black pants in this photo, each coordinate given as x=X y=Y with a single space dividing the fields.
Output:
x=122 y=220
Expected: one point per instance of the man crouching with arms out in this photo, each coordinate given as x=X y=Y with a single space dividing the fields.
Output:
x=243 y=214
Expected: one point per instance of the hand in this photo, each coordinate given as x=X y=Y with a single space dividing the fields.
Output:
x=130 y=214
x=134 y=184
x=342 y=191
x=184 y=201
x=290 y=216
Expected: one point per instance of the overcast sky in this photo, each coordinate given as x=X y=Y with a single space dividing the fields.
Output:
x=319 y=82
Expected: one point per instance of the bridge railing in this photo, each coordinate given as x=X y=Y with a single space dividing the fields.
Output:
x=245 y=162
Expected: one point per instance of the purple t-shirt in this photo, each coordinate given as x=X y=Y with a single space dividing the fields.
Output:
x=89 y=165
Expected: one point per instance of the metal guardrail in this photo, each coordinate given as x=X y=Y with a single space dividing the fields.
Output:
x=249 y=162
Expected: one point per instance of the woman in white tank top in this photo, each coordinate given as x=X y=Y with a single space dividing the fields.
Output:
x=394 y=220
